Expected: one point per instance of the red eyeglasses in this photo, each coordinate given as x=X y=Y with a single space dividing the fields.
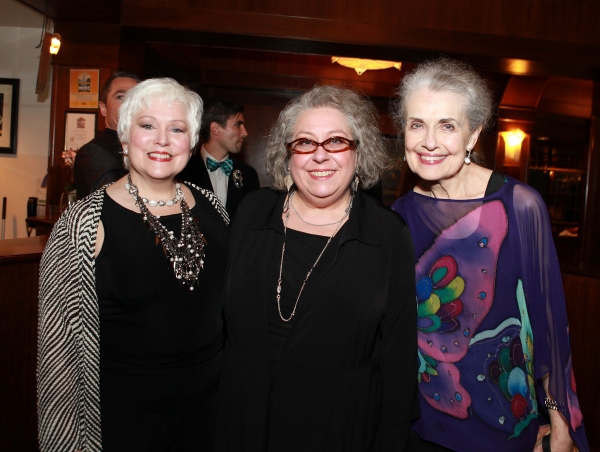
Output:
x=332 y=145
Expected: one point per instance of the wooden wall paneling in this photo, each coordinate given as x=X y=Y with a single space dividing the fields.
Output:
x=559 y=23
x=567 y=96
x=523 y=91
x=582 y=295
x=19 y=271
x=591 y=243
x=87 y=44
x=393 y=51
x=132 y=55
x=171 y=63
x=282 y=82
x=510 y=18
x=385 y=35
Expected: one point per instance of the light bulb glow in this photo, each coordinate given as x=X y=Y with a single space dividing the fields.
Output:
x=55 y=44
x=512 y=144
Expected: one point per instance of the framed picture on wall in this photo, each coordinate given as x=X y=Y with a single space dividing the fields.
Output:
x=80 y=128
x=84 y=87
x=9 y=115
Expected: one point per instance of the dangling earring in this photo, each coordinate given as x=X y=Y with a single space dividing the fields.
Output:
x=288 y=181
x=404 y=158
x=468 y=157
x=354 y=183
x=125 y=151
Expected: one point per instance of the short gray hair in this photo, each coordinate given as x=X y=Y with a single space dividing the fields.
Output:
x=362 y=118
x=445 y=74
x=159 y=90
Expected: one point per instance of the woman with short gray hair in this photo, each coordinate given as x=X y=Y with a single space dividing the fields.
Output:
x=488 y=282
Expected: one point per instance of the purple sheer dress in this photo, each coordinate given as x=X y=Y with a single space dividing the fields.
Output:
x=492 y=320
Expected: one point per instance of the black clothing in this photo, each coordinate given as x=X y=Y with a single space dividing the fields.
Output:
x=345 y=380
x=418 y=444
x=185 y=432
x=98 y=163
x=197 y=173
x=301 y=252
x=160 y=343
x=495 y=183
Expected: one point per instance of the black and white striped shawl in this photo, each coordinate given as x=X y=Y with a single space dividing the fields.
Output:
x=68 y=363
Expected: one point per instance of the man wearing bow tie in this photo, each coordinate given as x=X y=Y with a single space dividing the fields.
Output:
x=223 y=132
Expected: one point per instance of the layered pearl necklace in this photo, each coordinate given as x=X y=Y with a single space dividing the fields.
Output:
x=286 y=211
x=187 y=252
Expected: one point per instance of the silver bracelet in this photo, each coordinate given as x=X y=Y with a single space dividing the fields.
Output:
x=551 y=404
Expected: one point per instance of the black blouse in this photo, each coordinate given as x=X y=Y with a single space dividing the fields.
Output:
x=345 y=380
x=160 y=342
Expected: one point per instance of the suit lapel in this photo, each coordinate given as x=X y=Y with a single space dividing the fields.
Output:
x=203 y=176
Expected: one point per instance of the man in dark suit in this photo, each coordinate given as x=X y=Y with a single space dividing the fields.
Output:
x=223 y=132
x=99 y=162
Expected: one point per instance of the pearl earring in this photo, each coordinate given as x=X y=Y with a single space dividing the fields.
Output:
x=468 y=157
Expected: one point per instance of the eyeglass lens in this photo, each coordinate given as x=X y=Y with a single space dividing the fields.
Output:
x=333 y=144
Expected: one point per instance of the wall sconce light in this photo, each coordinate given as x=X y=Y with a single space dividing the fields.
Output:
x=360 y=65
x=512 y=144
x=55 y=44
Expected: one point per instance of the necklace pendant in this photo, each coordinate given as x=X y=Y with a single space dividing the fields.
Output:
x=290 y=204
x=186 y=253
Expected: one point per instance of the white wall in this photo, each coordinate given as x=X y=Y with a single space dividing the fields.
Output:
x=21 y=174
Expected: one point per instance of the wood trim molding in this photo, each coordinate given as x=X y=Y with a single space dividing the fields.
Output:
x=578 y=56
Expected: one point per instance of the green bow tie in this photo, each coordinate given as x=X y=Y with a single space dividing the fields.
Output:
x=225 y=165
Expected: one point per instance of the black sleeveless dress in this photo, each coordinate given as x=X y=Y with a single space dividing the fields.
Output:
x=160 y=343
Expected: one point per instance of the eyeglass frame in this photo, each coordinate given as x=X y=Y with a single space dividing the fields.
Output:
x=351 y=145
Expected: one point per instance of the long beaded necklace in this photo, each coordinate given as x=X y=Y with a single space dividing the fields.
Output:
x=286 y=210
x=187 y=252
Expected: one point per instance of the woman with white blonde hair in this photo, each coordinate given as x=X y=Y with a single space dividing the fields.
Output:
x=130 y=329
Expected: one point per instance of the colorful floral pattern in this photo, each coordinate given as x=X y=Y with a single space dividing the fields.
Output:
x=455 y=291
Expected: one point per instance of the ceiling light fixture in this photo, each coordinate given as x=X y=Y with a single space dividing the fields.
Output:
x=360 y=65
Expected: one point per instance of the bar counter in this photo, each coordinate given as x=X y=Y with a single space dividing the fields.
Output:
x=19 y=274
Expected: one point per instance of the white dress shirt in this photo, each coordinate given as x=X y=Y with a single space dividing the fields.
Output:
x=218 y=179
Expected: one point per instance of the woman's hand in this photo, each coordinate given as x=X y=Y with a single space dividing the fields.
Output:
x=560 y=439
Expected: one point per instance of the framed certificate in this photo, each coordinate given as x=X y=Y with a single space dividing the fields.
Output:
x=80 y=128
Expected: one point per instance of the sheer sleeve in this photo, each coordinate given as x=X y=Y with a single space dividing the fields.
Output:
x=546 y=301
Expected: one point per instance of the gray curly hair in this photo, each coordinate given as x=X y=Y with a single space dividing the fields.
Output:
x=362 y=118
x=445 y=74
x=158 y=90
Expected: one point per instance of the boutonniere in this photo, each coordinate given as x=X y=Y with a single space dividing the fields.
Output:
x=237 y=179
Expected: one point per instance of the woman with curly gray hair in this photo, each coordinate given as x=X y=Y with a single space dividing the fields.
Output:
x=488 y=282
x=319 y=303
